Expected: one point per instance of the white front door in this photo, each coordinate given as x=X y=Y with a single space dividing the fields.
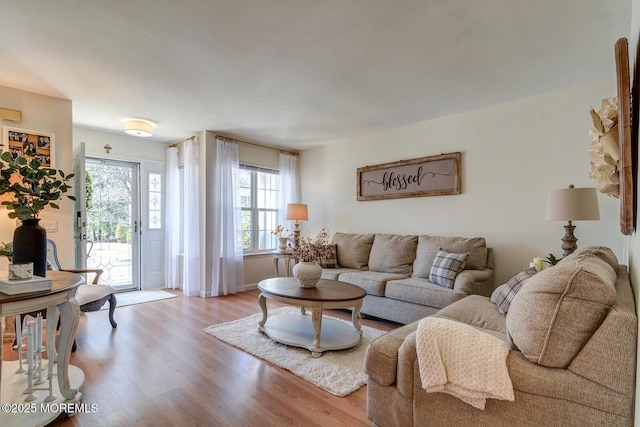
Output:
x=80 y=192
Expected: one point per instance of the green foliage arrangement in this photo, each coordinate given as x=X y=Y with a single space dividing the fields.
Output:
x=552 y=260
x=33 y=187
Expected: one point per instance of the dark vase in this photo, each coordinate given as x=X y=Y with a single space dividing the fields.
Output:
x=30 y=245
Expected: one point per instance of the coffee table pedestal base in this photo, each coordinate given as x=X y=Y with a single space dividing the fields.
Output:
x=297 y=329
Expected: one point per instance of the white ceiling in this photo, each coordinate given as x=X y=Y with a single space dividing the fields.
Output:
x=298 y=73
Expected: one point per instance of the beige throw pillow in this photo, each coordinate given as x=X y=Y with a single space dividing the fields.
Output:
x=353 y=249
x=393 y=253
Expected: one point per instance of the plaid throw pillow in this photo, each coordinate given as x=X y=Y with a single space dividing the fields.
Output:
x=329 y=258
x=503 y=295
x=446 y=267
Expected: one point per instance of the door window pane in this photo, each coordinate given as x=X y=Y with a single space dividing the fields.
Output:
x=155 y=201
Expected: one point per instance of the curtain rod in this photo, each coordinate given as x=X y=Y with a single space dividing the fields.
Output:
x=175 y=144
x=258 y=145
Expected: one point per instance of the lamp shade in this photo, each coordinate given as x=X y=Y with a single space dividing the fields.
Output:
x=572 y=204
x=297 y=212
x=138 y=127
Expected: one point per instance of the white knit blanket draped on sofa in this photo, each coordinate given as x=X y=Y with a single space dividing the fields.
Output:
x=460 y=360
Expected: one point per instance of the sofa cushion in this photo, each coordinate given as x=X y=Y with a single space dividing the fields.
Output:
x=371 y=281
x=601 y=252
x=556 y=313
x=479 y=312
x=353 y=249
x=428 y=247
x=421 y=291
x=334 y=273
x=446 y=267
x=393 y=253
x=503 y=295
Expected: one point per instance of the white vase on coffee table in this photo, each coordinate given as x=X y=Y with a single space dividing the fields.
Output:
x=307 y=273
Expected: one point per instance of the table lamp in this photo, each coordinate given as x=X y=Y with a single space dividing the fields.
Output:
x=297 y=212
x=572 y=204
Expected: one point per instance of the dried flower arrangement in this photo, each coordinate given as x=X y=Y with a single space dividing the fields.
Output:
x=314 y=249
x=604 y=150
x=280 y=231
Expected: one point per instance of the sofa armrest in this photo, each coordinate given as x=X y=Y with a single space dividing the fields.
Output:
x=381 y=358
x=473 y=281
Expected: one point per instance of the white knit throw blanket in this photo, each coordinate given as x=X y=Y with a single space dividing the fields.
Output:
x=460 y=360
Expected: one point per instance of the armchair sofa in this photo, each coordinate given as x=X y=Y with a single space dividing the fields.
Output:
x=572 y=331
x=395 y=270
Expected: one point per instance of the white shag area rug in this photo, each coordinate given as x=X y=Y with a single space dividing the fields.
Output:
x=138 y=297
x=338 y=372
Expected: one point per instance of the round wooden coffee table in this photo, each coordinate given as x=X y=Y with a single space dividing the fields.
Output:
x=315 y=333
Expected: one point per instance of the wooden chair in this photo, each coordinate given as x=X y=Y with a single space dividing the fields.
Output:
x=90 y=296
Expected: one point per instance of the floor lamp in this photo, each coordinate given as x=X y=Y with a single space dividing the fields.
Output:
x=572 y=204
x=297 y=212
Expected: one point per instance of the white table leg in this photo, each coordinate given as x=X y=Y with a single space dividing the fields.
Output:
x=262 y=302
x=316 y=316
x=69 y=318
x=1 y=349
x=355 y=317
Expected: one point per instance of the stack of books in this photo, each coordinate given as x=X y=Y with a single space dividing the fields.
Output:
x=22 y=286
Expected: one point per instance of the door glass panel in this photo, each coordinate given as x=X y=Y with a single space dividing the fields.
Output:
x=155 y=201
x=110 y=221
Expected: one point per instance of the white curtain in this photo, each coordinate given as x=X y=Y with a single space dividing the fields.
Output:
x=227 y=272
x=191 y=268
x=172 y=220
x=288 y=167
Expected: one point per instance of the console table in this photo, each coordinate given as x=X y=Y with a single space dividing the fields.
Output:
x=60 y=303
x=286 y=260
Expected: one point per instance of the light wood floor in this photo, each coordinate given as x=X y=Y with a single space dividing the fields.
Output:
x=160 y=369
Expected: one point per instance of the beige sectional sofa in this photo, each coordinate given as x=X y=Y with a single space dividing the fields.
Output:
x=394 y=270
x=572 y=331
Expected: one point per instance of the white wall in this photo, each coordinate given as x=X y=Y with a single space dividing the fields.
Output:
x=512 y=155
x=53 y=115
x=634 y=240
x=122 y=145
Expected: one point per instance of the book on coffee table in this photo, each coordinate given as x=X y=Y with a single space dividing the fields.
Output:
x=22 y=286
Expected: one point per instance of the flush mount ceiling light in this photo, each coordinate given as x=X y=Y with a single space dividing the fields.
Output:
x=138 y=127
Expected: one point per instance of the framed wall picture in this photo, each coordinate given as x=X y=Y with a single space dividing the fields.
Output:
x=424 y=176
x=628 y=149
x=21 y=142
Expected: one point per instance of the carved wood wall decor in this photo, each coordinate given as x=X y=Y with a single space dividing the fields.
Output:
x=424 y=176
x=627 y=162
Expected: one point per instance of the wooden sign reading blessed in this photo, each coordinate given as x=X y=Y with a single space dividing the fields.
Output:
x=426 y=176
